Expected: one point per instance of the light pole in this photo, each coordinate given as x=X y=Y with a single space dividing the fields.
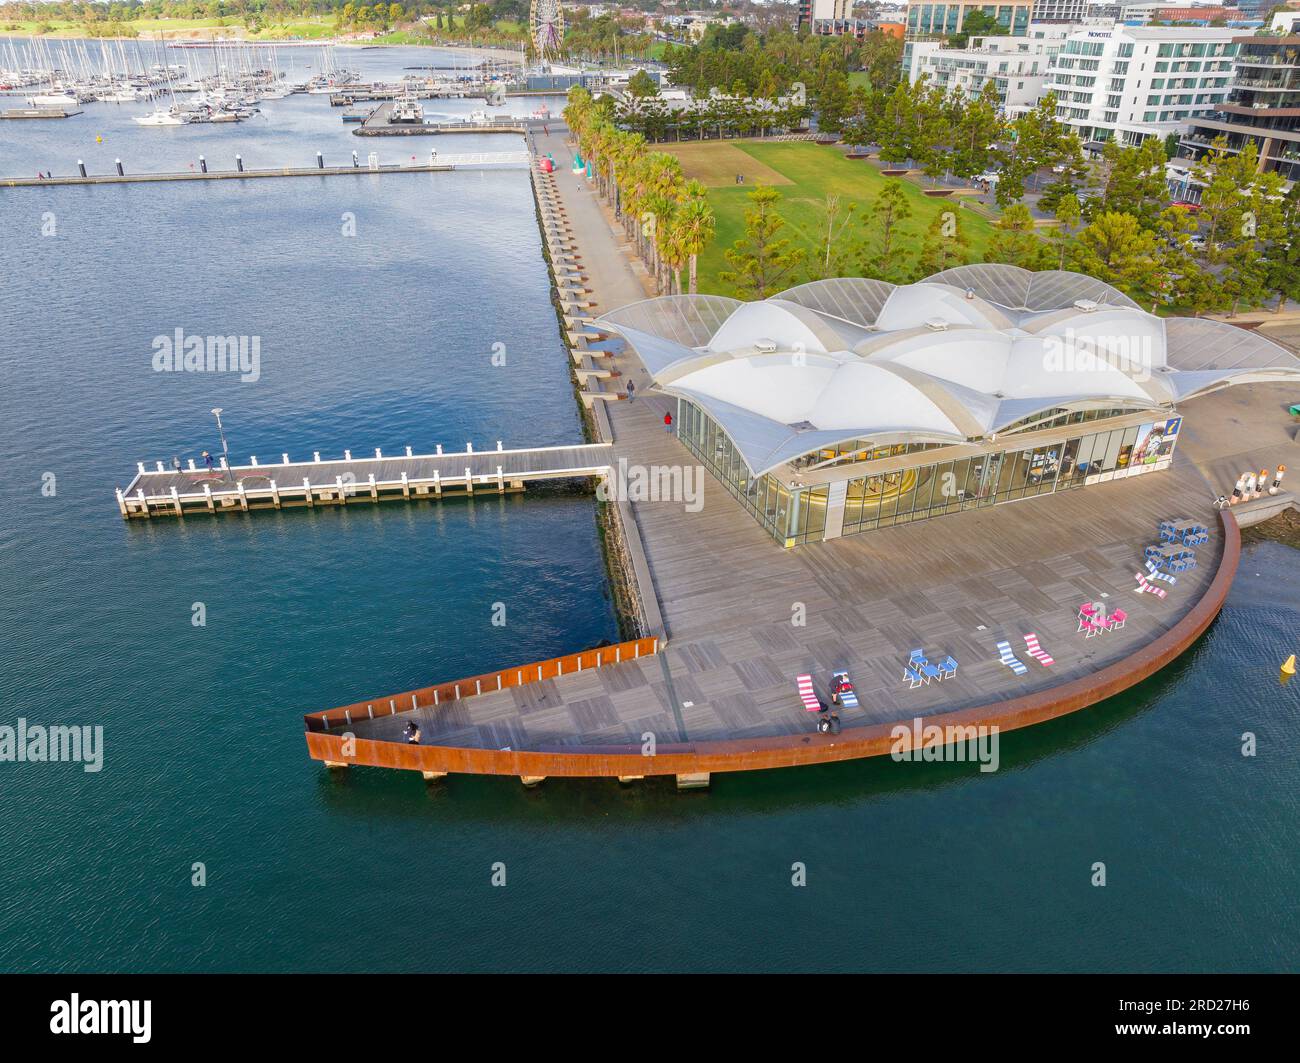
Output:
x=225 y=451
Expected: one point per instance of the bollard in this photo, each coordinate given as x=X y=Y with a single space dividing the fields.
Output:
x=82 y=167
x=119 y=168
x=203 y=164
x=320 y=161
x=239 y=162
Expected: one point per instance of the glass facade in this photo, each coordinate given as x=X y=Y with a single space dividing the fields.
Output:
x=917 y=492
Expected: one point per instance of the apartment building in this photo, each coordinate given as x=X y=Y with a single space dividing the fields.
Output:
x=1130 y=83
x=941 y=20
x=1263 y=107
x=1017 y=66
x=1060 y=10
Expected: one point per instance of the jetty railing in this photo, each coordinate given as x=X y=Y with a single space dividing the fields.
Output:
x=166 y=492
x=489 y=682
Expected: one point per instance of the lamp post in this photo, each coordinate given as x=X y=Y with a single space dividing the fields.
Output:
x=225 y=450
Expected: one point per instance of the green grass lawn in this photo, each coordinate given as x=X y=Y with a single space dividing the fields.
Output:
x=814 y=171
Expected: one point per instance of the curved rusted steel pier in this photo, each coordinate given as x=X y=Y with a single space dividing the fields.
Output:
x=692 y=763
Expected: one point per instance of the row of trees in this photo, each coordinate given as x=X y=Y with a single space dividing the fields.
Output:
x=643 y=110
x=739 y=62
x=667 y=217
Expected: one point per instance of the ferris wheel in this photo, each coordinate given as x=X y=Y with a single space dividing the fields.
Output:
x=546 y=27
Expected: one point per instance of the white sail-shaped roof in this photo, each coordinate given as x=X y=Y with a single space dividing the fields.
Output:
x=959 y=356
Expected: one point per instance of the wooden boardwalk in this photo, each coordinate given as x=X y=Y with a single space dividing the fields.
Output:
x=167 y=492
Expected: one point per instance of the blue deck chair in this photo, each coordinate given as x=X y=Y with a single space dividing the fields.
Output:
x=948 y=666
x=1154 y=569
x=913 y=677
x=848 y=697
x=1010 y=660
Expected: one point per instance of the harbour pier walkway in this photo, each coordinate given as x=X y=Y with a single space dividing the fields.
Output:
x=170 y=492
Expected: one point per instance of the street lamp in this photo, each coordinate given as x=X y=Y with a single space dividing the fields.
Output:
x=225 y=450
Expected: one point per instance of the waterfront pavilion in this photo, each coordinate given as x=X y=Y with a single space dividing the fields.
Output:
x=846 y=405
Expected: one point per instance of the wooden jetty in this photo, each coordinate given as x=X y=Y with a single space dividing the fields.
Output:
x=37 y=112
x=377 y=125
x=168 y=492
x=440 y=164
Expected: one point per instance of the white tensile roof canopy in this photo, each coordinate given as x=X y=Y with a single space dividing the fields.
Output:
x=959 y=356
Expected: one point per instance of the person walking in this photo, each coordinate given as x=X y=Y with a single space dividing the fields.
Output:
x=207 y=460
x=631 y=390
x=668 y=422
x=176 y=462
x=412 y=733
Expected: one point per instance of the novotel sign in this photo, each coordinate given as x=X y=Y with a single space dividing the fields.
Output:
x=1099 y=33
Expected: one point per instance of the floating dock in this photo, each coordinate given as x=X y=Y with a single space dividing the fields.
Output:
x=168 y=492
x=377 y=125
x=37 y=112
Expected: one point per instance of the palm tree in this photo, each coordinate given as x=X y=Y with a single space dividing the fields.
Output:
x=695 y=224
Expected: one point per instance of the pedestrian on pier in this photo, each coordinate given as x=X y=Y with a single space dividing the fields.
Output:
x=631 y=390
x=207 y=460
x=668 y=422
x=176 y=462
x=412 y=733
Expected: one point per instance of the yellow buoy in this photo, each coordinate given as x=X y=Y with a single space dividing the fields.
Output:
x=99 y=140
x=1288 y=666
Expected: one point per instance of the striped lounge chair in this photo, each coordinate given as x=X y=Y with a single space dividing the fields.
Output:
x=1010 y=659
x=1146 y=585
x=848 y=697
x=1155 y=573
x=806 y=693
x=1036 y=651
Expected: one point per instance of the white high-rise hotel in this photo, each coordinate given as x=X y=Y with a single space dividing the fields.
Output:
x=1132 y=82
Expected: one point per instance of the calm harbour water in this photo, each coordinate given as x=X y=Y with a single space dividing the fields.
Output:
x=385 y=339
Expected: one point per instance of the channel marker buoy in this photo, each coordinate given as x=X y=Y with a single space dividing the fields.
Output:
x=1288 y=666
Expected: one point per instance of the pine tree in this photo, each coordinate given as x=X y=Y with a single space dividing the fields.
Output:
x=1116 y=249
x=762 y=258
x=884 y=256
x=1014 y=241
x=944 y=245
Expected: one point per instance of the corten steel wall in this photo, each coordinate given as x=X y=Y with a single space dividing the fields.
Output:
x=782 y=751
x=427 y=697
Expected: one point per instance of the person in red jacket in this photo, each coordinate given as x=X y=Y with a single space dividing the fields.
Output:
x=668 y=422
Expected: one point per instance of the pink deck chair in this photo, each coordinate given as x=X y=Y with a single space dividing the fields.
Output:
x=1116 y=620
x=806 y=693
x=1087 y=615
x=1036 y=651
x=1146 y=585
